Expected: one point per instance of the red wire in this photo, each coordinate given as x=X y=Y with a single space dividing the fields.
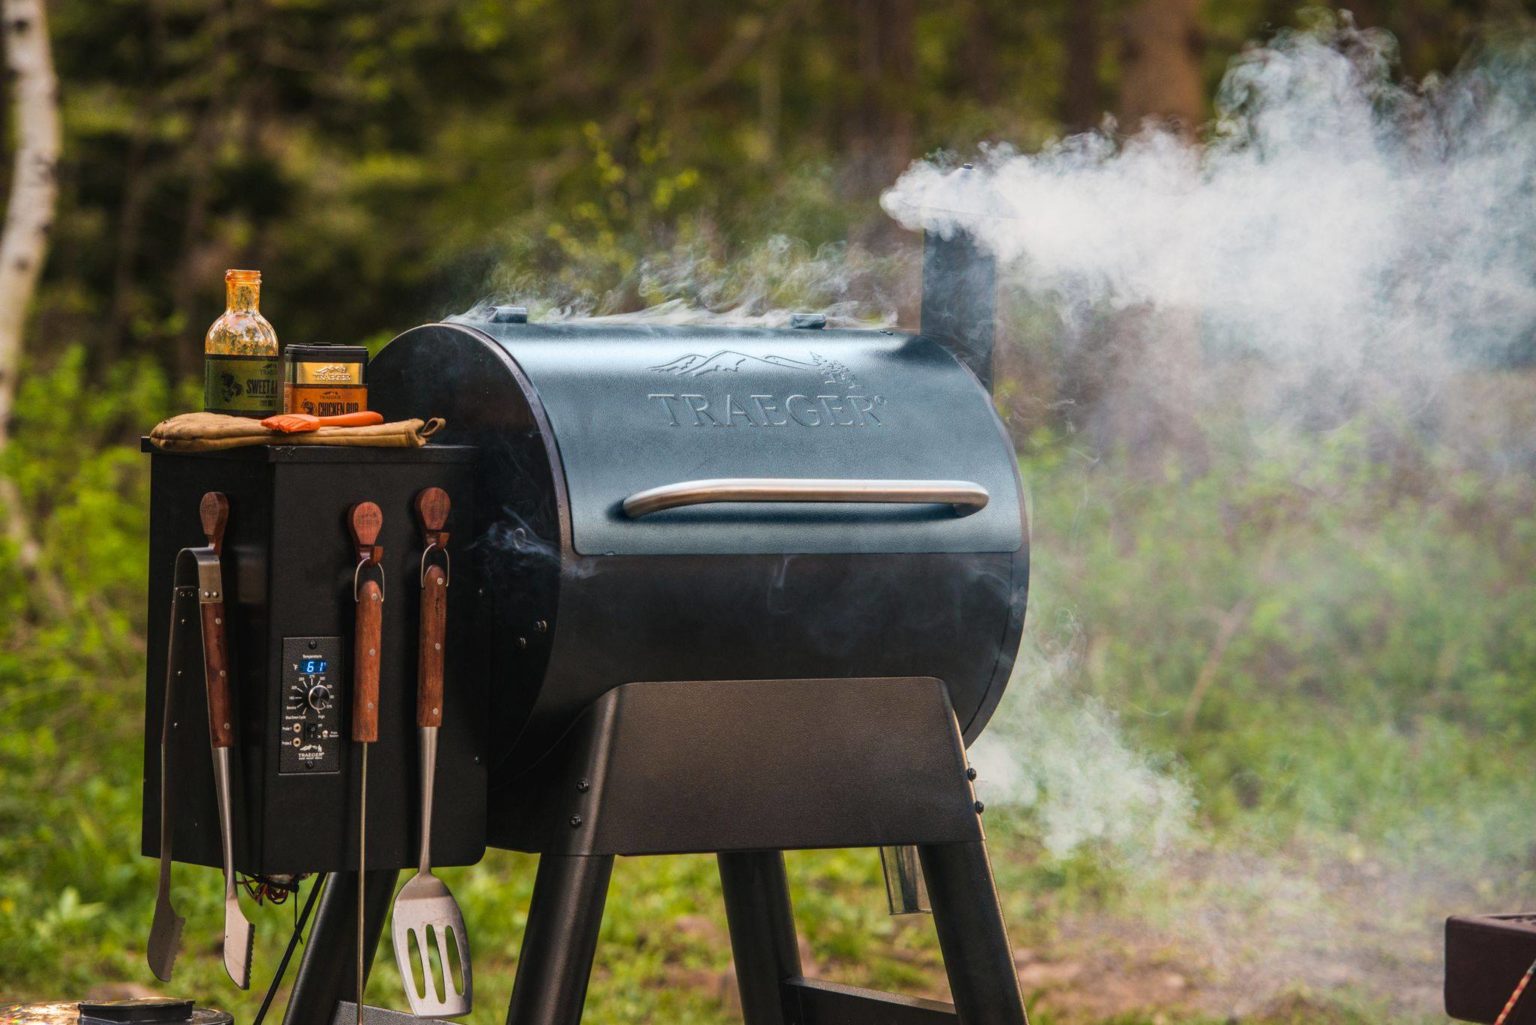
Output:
x=1514 y=998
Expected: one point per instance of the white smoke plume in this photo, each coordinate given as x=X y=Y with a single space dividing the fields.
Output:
x=1050 y=750
x=1332 y=213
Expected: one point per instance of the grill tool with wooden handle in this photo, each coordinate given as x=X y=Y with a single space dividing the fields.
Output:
x=196 y=573
x=365 y=520
x=238 y=932
x=425 y=910
x=165 y=928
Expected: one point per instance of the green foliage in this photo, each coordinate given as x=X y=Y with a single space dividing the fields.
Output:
x=1376 y=673
x=388 y=163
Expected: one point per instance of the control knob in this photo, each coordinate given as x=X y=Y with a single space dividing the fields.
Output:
x=319 y=697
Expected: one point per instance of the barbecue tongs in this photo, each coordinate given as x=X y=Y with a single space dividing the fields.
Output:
x=198 y=578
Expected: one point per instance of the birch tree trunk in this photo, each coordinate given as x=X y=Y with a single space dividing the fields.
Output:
x=24 y=243
x=34 y=182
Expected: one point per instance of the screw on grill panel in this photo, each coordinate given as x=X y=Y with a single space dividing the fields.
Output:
x=583 y=785
x=522 y=642
x=575 y=821
x=541 y=626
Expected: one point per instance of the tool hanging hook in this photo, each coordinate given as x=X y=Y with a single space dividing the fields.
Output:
x=432 y=506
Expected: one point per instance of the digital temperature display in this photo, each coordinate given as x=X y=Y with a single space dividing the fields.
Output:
x=310 y=666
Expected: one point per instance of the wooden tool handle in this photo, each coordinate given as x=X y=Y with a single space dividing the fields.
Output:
x=214 y=512
x=365 y=660
x=365 y=520
x=364 y=418
x=432 y=507
x=429 y=659
x=216 y=666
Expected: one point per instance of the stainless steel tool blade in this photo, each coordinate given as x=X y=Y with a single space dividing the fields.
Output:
x=427 y=915
x=238 y=932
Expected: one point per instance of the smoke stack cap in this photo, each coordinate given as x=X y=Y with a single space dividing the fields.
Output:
x=509 y=314
x=808 y=321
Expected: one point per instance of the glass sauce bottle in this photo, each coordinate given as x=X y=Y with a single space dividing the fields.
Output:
x=240 y=360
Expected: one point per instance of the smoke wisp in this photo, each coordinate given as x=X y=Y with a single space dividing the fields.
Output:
x=1333 y=215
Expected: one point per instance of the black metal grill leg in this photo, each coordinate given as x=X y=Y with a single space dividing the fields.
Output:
x=327 y=972
x=762 y=924
x=969 y=921
x=561 y=940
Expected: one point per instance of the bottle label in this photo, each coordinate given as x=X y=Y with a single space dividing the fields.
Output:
x=241 y=385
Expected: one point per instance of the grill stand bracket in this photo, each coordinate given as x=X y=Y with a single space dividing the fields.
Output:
x=748 y=769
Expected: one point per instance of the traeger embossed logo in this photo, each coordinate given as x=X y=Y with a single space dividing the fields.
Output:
x=838 y=400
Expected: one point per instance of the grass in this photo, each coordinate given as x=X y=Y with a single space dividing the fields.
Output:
x=1355 y=762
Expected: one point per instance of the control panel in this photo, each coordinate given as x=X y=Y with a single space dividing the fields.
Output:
x=311 y=736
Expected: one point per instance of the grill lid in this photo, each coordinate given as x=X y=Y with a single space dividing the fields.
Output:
x=733 y=441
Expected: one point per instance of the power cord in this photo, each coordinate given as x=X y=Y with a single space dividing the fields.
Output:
x=293 y=943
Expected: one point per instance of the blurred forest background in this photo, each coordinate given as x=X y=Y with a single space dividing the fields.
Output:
x=1331 y=647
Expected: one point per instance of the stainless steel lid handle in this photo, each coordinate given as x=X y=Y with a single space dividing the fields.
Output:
x=965 y=496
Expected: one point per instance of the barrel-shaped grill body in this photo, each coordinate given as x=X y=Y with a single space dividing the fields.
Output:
x=581 y=596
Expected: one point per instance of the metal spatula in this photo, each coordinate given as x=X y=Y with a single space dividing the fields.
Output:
x=425 y=912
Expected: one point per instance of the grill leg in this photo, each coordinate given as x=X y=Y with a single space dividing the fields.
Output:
x=762 y=924
x=326 y=977
x=561 y=939
x=969 y=921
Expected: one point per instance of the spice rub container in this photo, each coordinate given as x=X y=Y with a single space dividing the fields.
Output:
x=325 y=380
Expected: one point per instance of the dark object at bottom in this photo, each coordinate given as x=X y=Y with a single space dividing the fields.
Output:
x=1485 y=958
x=157 y=1010
x=146 y=1011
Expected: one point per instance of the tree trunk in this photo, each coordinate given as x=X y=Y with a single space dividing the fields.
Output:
x=1081 y=105
x=883 y=130
x=1160 y=65
x=1155 y=363
x=34 y=182
x=24 y=243
x=981 y=52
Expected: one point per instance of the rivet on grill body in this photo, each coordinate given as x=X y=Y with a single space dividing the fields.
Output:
x=980 y=807
x=583 y=785
x=970 y=773
x=575 y=821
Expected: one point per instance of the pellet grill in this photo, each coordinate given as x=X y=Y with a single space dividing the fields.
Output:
x=721 y=590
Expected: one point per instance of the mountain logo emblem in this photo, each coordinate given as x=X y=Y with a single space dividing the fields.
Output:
x=728 y=361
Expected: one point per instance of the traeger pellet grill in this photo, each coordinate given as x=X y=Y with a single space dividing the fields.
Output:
x=714 y=590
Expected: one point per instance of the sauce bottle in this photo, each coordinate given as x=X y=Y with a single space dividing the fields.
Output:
x=240 y=361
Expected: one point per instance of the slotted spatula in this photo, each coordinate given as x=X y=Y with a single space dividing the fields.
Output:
x=426 y=914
